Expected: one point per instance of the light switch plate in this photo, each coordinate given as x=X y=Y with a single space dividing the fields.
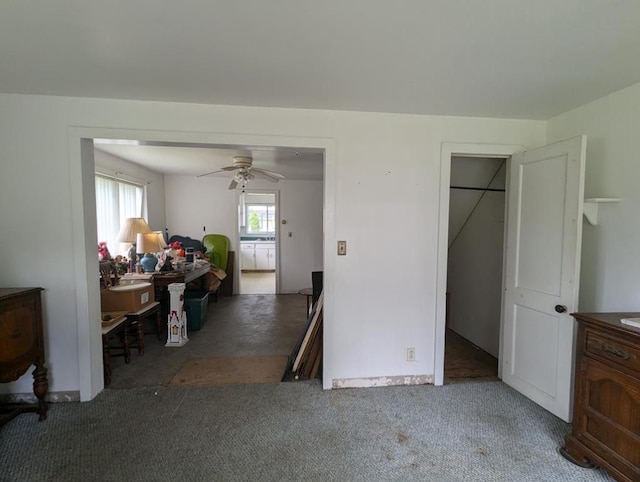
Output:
x=342 y=248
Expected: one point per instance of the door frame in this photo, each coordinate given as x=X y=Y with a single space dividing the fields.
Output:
x=85 y=261
x=276 y=193
x=449 y=149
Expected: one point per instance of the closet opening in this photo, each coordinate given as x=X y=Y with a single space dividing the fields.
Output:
x=474 y=268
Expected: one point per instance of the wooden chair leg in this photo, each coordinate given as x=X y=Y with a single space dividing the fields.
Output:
x=160 y=326
x=140 y=336
x=125 y=341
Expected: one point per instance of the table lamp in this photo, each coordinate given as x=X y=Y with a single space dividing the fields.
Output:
x=149 y=243
x=129 y=232
x=163 y=243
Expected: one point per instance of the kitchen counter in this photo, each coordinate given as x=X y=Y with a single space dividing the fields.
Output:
x=257 y=255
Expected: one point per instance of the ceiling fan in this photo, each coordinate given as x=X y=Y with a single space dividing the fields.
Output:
x=246 y=172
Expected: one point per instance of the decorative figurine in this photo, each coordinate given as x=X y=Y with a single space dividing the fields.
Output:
x=103 y=252
x=177 y=318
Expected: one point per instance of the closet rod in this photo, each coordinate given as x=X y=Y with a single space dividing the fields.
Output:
x=477 y=188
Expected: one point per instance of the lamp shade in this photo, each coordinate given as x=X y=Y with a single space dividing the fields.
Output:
x=161 y=239
x=131 y=228
x=148 y=243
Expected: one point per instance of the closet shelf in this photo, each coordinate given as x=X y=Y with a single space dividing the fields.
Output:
x=590 y=207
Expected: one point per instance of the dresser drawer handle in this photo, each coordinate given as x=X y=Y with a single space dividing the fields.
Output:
x=616 y=351
x=16 y=334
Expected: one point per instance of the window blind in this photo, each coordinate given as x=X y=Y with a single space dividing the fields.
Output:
x=116 y=200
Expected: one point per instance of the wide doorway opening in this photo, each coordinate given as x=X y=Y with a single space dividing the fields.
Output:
x=246 y=329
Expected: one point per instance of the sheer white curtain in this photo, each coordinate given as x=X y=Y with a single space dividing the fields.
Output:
x=115 y=201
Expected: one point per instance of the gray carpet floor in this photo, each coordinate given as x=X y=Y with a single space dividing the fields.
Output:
x=478 y=431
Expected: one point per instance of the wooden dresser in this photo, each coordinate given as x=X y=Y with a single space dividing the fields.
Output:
x=21 y=346
x=606 y=414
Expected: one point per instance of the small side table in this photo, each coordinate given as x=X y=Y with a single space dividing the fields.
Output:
x=139 y=317
x=308 y=292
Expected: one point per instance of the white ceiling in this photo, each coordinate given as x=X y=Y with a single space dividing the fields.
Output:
x=194 y=160
x=490 y=58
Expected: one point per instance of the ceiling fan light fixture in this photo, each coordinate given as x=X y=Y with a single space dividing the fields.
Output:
x=245 y=171
x=241 y=179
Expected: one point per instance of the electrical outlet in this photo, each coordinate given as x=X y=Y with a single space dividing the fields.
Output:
x=342 y=248
x=411 y=354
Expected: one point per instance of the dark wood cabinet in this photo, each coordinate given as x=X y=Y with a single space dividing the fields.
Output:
x=606 y=414
x=21 y=346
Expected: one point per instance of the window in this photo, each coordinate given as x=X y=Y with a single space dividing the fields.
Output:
x=116 y=200
x=261 y=218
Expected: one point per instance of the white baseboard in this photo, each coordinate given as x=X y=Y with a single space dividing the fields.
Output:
x=368 y=382
x=53 y=397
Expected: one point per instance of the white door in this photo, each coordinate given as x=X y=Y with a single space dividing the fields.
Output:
x=544 y=231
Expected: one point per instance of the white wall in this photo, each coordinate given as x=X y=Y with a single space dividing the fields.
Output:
x=470 y=172
x=610 y=265
x=382 y=184
x=474 y=280
x=194 y=203
x=152 y=181
x=301 y=206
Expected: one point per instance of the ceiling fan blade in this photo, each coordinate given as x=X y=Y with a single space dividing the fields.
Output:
x=233 y=184
x=208 y=173
x=222 y=169
x=270 y=175
x=262 y=175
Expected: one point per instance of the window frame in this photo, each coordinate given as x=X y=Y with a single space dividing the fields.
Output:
x=269 y=207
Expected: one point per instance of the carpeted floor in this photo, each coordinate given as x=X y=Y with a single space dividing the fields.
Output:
x=290 y=432
x=286 y=431
x=209 y=372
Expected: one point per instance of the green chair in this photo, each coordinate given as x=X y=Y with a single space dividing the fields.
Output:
x=217 y=249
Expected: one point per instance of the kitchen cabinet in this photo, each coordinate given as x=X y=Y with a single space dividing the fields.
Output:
x=247 y=256
x=265 y=256
x=258 y=256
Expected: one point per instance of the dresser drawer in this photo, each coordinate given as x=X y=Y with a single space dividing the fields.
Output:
x=606 y=412
x=613 y=350
x=22 y=346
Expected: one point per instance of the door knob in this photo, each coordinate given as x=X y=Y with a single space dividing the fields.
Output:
x=560 y=308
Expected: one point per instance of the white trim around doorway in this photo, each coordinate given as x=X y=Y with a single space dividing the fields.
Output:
x=449 y=149
x=84 y=237
x=276 y=193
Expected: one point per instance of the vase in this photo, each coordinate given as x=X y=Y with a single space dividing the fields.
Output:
x=149 y=262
